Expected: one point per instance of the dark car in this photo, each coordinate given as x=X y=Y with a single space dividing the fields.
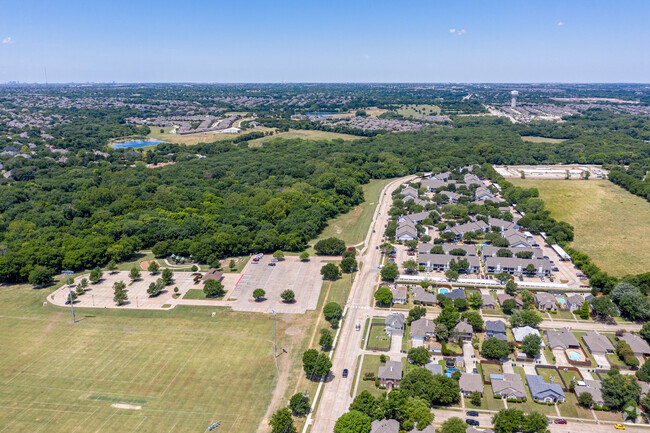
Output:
x=472 y=422
x=472 y=413
x=560 y=421
x=345 y=372
x=272 y=264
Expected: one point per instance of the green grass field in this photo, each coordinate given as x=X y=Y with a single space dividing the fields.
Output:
x=201 y=137
x=305 y=135
x=183 y=368
x=412 y=110
x=353 y=226
x=533 y=139
x=611 y=225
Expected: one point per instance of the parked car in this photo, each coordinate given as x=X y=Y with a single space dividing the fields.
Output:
x=472 y=422
x=560 y=421
x=358 y=327
x=619 y=426
x=272 y=264
x=472 y=413
x=345 y=372
x=555 y=269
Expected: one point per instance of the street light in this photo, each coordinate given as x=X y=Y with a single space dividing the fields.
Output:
x=68 y=273
x=275 y=344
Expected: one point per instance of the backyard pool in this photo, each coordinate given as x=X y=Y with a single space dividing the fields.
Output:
x=136 y=143
x=574 y=355
x=561 y=300
x=450 y=372
x=443 y=291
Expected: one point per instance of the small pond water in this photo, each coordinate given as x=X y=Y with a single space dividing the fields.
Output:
x=136 y=143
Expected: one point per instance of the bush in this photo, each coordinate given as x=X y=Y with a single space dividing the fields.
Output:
x=330 y=247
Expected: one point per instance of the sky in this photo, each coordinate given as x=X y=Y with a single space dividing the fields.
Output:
x=324 y=41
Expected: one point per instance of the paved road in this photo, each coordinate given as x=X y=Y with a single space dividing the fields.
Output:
x=336 y=392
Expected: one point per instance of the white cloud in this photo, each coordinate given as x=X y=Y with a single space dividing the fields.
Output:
x=8 y=40
x=457 y=32
x=452 y=30
x=560 y=24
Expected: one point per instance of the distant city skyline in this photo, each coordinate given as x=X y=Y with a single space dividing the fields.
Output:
x=310 y=42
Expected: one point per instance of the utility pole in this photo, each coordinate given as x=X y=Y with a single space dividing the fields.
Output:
x=275 y=344
x=67 y=274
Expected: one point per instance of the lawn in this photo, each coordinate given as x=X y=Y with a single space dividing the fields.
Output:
x=488 y=369
x=198 y=294
x=307 y=134
x=533 y=139
x=571 y=409
x=548 y=373
x=353 y=226
x=488 y=402
x=596 y=209
x=413 y=110
x=201 y=137
x=378 y=337
x=370 y=365
x=182 y=367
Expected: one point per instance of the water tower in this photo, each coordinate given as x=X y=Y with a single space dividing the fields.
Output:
x=513 y=101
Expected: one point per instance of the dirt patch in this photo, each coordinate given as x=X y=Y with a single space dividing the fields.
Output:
x=145 y=264
x=126 y=406
x=292 y=330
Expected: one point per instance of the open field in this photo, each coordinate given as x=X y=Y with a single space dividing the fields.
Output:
x=611 y=225
x=353 y=226
x=201 y=137
x=533 y=139
x=418 y=110
x=145 y=371
x=305 y=135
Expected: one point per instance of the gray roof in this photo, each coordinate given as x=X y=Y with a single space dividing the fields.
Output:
x=488 y=300
x=577 y=300
x=406 y=228
x=422 y=327
x=470 y=382
x=597 y=343
x=427 y=429
x=399 y=292
x=384 y=426
x=419 y=216
x=539 y=389
x=545 y=300
x=471 y=226
x=592 y=387
x=638 y=344
x=456 y=293
x=523 y=332
x=463 y=328
x=489 y=250
x=562 y=338
x=409 y=190
x=502 y=297
x=511 y=386
x=392 y=370
x=495 y=326
x=421 y=295
x=426 y=259
x=395 y=320
x=515 y=262
x=434 y=368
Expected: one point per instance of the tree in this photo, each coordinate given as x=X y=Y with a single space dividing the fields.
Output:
x=445 y=391
x=475 y=300
x=618 y=389
x=119 y=285
x=282 y=422
x=332 y=312
x=525 y=318
x=353 y=422
x=645 y=331
x=449 y=316
x=288 y=296
x=330 y=271
x=348 y=265
x=213 y=289
x=503 y=277
x=194 y=268
x=111 y=266
x=299 y=404
x=156 y=288
x=389 y=272
x=411 y=244
x=530 y=345
x=509 y=305
x=366 y=403
x=419 y=355
x=278 y=255
x=416 y=412
x=167 y=276
x=329 y=247
x=233 y=265
x=119 y=293
x=437 y=250
x=81 y=287
x=386 y=247
x=454 y=425
x=153 y=267
x=95 y=275
x=134 y=274
x=494 y=348
x=258 y=294
x=326 y=340
x=384 y=296
x=504 y=252
x=511 y=287
x=442 y=332
x=536 y=423
x=41 y=275
x=451 y=274
x=631 y=302
x=304 y=256
x=509 y=421
x=527 y=298
x=410 y=265
x=602 y=306
x=475 y=398
x=584 y=311
x=416 y=313
x=530 y=269
x=474 y=318
x=461 y=304
x=418 y=383
x=585 y=400
x=315 y=363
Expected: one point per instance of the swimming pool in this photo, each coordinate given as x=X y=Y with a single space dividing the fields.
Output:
x=443 y=291
x=561 y=300
x=136 y=143
x=574 y=355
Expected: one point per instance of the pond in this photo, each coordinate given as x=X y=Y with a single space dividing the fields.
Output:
x=136 y=143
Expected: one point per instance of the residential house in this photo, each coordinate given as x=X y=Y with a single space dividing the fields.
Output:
x=428 y=429
x=440 y=262
x=508 y=386
x=463 y=330
x=502 y=224
x=515 y=239
x=574 y=302
x=417 y=218
x=592 y=387
x=456 y=294
x=422 y=329
x=442 y=176
x=384 y=426
x=390 y=375
x=470 y=383
x=472 y=226
x=542 y=391
x=524 y=331
x=395 y=324
x=433 y=184
x=517 y=266
x=482 y=193
x=561 y=339
x=502 y=297
x=434 y=368
x=597 y=343
x=490 y=251
x=452 y=197
x=421 y=296
x=400 y=294
x=409 y=192
x=496 y=329
x=406 y=231
x=639 y=346
x=546 y=301
x=488 y=302
x=470 y=250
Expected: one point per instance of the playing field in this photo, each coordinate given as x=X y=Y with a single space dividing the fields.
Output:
x=418 y=110
x=137 y=371
x=201 y=137
x=611 y=225
x=533 y=139
x=305 y=135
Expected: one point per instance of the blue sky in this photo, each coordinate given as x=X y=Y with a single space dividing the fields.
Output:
x=325 y=41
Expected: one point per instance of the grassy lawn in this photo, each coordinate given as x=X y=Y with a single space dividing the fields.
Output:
x=240 y=262
x=569 y=375
x=595 y=208
x=197 y=294
x=406 y=340
x=63 y=377
x=571 y=409
x=548 y=354
x=413 y=110
x=370 y=364
x=532 y=139
x=365 y=331
x=547 y=373
x=201 y=137
x=564 y=314
x=488 y=369
x=488 y=402
x=303 y=134
x=378 y=337
x=353 y=226
x=609 y=415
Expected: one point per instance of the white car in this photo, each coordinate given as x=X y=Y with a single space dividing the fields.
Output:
x=380 y=267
